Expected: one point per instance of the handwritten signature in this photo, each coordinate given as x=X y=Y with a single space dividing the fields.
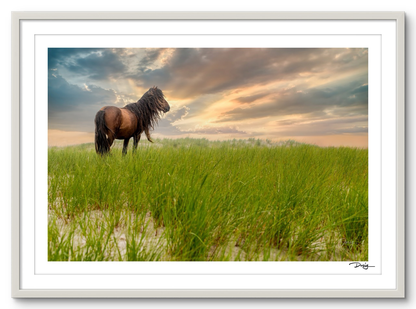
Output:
x=358 y=264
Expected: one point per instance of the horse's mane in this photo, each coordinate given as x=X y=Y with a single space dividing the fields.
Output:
x=148 y=108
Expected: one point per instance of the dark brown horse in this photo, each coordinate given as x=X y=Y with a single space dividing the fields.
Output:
x=130 y=121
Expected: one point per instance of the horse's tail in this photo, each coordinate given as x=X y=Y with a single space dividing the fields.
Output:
x=101 y=142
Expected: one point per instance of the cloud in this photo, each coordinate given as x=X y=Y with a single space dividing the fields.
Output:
x=166 y=125
x=308 y=90
x=98 y=65
x=319 y=126
x=171 y=117
x=177 y=115
x=71 y=107
x=198 y=105
x=319 y=129
x=342 y=100
x=192 y=72
x=60 y=56
x=251 y=98
x=63 y=96
x=92 y=63
x=324 y=122
x=151 y=56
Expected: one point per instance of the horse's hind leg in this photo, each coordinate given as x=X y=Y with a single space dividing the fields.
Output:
x=110 y=138
x=136 y=140
x=125 y=145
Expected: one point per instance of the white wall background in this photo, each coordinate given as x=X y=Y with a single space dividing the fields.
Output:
x=7 y=6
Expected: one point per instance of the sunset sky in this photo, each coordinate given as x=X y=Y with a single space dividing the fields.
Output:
x=317 y=96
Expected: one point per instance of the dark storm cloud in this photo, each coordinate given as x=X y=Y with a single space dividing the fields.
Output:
x=94 y=63
x=69 y=104
x=63 y=96
x=192 y=72
x=98 y=66
x=351 y=99
x=62 y=55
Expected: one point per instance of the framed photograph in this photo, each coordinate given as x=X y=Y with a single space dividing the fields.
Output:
x=208 y=154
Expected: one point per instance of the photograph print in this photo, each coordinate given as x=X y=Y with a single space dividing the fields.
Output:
x=208 y=154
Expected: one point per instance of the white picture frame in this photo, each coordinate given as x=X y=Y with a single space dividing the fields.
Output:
x=392 y=136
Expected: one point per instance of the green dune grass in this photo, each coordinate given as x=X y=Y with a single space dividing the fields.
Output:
x=199 y=200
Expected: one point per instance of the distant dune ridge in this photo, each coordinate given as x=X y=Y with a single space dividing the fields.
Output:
x=65 y=138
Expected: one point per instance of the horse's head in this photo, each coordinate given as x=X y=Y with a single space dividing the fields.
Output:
x=159 y=99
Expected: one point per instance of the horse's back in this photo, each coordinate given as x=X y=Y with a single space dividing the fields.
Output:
x=111 y=111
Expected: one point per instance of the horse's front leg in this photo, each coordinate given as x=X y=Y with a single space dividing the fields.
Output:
x=136 y=140
x=146 y=131
x=125 y=145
